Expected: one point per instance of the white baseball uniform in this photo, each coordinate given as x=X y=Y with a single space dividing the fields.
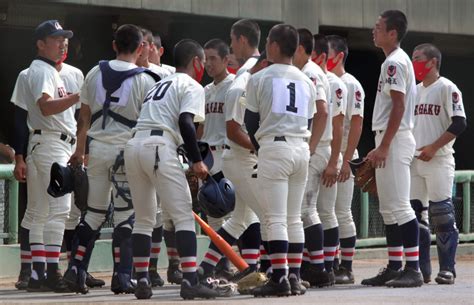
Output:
x=285 y=99
x=435 y=106
x=238 y=163
x=214 y=132
x=320 y=158
x=393 y=181
x=326 y=201
x=107 y=142
x=51 y=141
x=150 y=156
x=171 y=69
x=345 y=190
x=161 y=71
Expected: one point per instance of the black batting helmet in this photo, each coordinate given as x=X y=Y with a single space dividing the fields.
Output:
x=217 y=199
x=62 y=180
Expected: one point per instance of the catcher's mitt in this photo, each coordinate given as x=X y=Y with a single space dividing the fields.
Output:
x=251 y=281
x=81 y=187
x=364 y=175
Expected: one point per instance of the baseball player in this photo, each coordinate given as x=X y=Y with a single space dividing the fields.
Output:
x=51 y=119
x=326 y=200
x=353 y=119
x=156 y=52
x=392 y=122
x=439 y=119
x=280 y=104
x=313 y=269
x=213 y=131
x=111 y=98
x=173 y=104
x=238 y=161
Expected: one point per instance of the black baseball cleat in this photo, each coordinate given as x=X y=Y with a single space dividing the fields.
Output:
x=199 y=290
x=173 y=274
x=155 y=278
x=143 y=290
x=93 y=282
x=318 y=278
x=271 y=288
x=56 y=283
x=75 y=279
x=445 y=277
x=23 y=279
x=409 y=277
x=384 y=275
x=343 y=275
x=296 y=286
x=122 y=283
x=35 y=285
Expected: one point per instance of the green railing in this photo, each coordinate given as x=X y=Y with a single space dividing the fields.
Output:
x=464 y=177
x=6 y=173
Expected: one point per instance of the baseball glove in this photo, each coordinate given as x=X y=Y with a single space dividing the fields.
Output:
x=364 y=176
x=193 y=183
x=251 y=281
x=81 y=187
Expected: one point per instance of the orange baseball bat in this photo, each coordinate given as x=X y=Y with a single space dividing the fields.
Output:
x=222 y=245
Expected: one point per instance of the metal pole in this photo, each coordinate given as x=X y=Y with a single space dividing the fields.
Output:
x=466 y=211
x=13 y=212
x=364 y=214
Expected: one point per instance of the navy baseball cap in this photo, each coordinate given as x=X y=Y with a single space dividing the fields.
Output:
x=51 y=28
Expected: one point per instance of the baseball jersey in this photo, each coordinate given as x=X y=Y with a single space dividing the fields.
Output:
x=176 y=94
x=21 y=93
x=338 y=102
x=396 y=74
x=285 y=99
x=435 y=105
x=235 y=103
x=214 y=126
x=71 y=76
x=247 y=65
x=129 y=98
x=161 y=71
x=355 y=104
x=43 y=78
x=170 y=69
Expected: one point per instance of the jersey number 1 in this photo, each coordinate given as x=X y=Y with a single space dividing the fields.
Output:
x=291 y=107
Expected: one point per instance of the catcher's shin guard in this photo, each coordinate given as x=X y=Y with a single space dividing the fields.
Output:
x=447 y=235
x=425 y=240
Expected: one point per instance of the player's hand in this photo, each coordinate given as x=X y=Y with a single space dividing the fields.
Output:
x=345 y=172
x=329 y=176
x=20 y=170
x=201 y=170
x=377 y=157
x=76 y=159
x=427 y=153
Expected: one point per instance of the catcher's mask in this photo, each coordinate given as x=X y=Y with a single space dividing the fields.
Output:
x=62 y=180
x=204 y=149
x=217 y=199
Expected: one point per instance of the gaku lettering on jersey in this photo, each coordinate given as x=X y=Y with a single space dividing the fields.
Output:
x=428 y=109
x=215 y=108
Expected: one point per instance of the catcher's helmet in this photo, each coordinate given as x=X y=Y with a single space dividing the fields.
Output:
x=62 y=180
x=217 y=199
x=206 y=154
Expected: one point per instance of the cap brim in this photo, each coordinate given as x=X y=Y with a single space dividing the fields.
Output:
x=64 y=33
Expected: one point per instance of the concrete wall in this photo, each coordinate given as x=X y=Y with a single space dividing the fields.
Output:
x=440 y=16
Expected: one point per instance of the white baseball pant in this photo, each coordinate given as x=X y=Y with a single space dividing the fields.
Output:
x=48 y=215
x=238 y=166
x=141 y=154
x=317 y=164
x=393 y=181
x=326 y=203
x=282 y=176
